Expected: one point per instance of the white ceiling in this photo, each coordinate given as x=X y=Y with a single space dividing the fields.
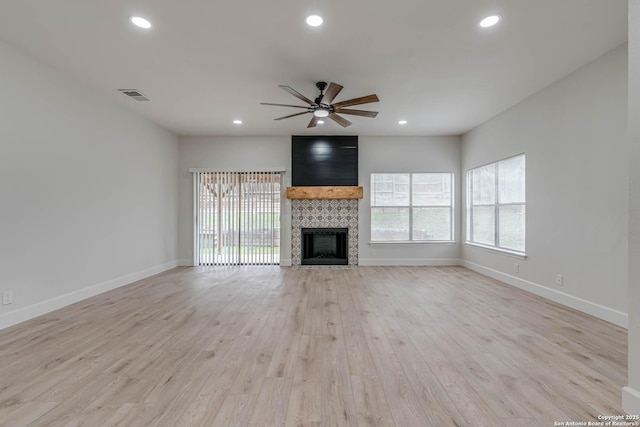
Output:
x=205 y=63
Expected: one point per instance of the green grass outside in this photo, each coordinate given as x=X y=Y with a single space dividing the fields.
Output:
x=393 y=224
x=244 y=250
x=257 y=220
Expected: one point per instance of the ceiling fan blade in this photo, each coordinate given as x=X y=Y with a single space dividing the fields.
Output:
x=297 y=94
x=283 y=105
x=362 y=113
x=339 y=120
x=313 y=122
x=332 y=91
x=357 y=101
x=291 y=115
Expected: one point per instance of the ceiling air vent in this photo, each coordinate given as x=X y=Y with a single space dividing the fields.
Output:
x=135 y=94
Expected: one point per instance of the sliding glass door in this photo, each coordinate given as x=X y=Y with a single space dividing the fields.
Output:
x=237 y=218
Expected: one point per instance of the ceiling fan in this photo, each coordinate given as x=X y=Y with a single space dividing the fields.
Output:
x=322 y=106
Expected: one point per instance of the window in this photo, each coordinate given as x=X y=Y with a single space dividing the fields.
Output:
x=237 y=218
x=411 y=207
x=496 y=205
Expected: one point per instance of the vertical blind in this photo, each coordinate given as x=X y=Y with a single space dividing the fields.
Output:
x=237 y=218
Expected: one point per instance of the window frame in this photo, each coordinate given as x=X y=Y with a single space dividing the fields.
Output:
x=410 y=207
x=496 y=205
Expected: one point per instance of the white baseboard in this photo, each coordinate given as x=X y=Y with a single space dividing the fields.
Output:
x=407 y=262
x=605 y=313
x=29 y=312
x=631 y=401
x=285 y=262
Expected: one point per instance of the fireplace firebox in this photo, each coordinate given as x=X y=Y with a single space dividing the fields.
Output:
x=325 y=246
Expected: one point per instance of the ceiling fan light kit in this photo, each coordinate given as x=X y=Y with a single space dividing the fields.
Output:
x=322 y=106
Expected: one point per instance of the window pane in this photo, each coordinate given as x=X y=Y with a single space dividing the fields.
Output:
x=432 y=223
x=511 y=180
x=484 y=185
x=389 y=224
x=431 y=189
x=484 y=225
x=512 y=227
x=389 y=189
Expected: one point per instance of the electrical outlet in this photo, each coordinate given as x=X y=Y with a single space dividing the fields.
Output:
x=516 y=267
x=7 y=297
x=559 y=280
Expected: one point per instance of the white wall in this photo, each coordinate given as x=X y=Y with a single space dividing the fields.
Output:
x=88 y=191
x=407 y=154
x=574 y=136
x=230 y=153
x=376 y=154
x=631 y=394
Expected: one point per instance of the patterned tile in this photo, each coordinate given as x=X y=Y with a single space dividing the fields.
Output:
x=324 y=214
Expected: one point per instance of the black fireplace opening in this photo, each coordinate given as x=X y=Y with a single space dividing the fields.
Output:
x=325 y=246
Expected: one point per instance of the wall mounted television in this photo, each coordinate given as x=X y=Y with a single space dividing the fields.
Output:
x=321 y=160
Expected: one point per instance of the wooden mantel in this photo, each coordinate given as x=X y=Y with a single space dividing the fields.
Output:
x=324 y=193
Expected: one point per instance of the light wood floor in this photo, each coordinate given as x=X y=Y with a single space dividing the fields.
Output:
x=384 y=346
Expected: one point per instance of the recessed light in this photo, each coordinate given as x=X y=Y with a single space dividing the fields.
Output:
x=320 y=122
x=314 y=21
x=237 y=122
x=139 y=21
x=402 y=122
x=490 y=21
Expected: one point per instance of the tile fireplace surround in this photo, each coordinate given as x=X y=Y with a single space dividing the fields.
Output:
x=324 y=214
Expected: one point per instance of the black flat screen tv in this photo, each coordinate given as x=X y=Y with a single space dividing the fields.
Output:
x=318 y=160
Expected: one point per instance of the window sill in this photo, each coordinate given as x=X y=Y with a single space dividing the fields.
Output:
x=501 y=251
x=414 y=242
